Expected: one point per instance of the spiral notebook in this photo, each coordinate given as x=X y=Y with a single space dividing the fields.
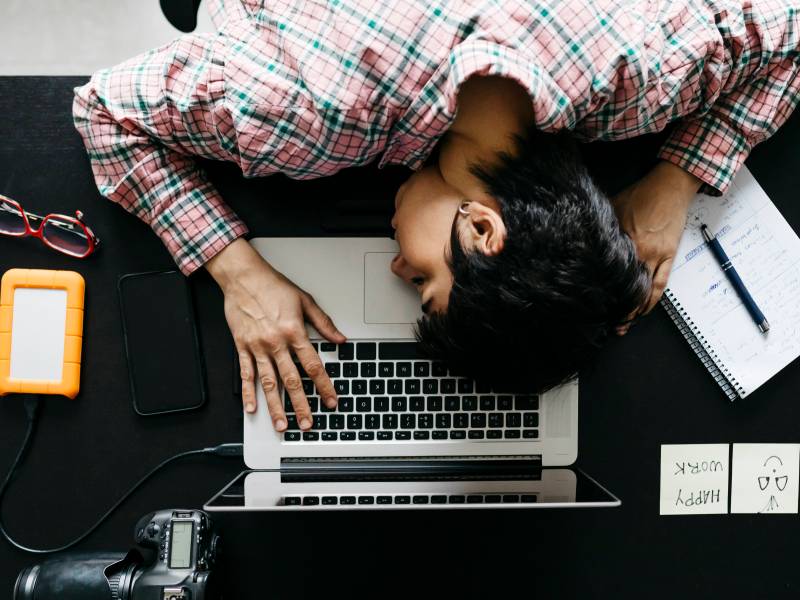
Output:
x=705 y=307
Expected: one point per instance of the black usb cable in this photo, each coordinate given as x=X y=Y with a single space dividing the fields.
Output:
x=32 y=412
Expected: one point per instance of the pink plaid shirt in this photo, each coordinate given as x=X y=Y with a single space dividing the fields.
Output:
x=307 y=87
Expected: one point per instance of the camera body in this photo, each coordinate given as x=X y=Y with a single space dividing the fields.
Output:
x=176 y=554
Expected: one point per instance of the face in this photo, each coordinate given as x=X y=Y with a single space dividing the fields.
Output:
x=425 y=206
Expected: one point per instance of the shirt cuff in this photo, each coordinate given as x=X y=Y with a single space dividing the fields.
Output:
x=708 y=148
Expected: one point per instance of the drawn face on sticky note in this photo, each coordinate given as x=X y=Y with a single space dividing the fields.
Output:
x=765 y=478
x=772 y=482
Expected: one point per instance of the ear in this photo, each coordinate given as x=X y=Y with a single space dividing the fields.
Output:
x=485 y=229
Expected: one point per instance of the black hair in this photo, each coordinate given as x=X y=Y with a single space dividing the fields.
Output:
x=529 y=317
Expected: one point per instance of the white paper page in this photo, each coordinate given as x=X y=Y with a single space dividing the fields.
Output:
x=694 y=479
x=766 y=253
x=38 y=325
x=765 y=478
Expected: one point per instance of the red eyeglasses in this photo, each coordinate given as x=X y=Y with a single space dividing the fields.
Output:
x=69 y=235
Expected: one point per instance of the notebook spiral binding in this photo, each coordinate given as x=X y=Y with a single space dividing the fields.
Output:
x=697 y=342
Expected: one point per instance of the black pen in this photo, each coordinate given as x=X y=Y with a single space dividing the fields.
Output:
x=736 y=281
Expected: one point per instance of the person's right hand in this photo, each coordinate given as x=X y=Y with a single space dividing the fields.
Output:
x=266 y=314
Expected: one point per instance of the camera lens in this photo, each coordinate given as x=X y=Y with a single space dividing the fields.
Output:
x=26 y=583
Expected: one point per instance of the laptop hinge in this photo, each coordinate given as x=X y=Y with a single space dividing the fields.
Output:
x=411 y=468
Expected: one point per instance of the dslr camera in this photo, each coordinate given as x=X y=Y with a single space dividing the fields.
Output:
x=174 y=560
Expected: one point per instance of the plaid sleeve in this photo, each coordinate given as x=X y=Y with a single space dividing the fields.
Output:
x=764 y=91
x=140 y=147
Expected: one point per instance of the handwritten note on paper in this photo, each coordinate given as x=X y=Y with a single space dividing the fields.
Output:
x=765 y=478
x=694 y=479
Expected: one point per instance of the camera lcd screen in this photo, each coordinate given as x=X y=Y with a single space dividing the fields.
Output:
x=181 y=545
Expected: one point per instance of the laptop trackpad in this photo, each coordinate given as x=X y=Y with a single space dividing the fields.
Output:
x=387 y=298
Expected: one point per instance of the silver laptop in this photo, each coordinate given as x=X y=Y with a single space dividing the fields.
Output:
x=407 y=433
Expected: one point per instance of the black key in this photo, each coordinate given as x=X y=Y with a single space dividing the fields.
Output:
x=430 y=386
x=408 y=421
x=513 y=420
x=354 y=422
x=417 y=403
x=350 y=369
x=510 y=498
x=287 y=404
x=313 y=403
x=461 y=420
x=385 y=435
x=526 y=403
x=346 y=351
x=443 y=421
x=366 y=436
x=439 y=435
x=482 y=388
x=347 y=500
x=421 y=500
x=310 y=436
x=422 y=369
x=512 y=434
x=320 y=422
x=384 y=499
x=310 y=500
x=366 y=499
x=458 y=435
x=422 y=435
x=402 y=435
x=465 y=386
x=366 y=351
x=390 y=421
x=494 y=434
x=399 y=404
x=530 y=434
x=530 y=419
x=327 y=347
x=438 y=369
x=330 y=500
x=487 y=403
x=308 y=387
x=447 y=386
x=333 y=369
x=412 y=386
x=469 y=403
x=363 y=404
x=347 y=436
x=504 y=403
x=401 y=499
x=377 y=387
x=291 y=423
x=329 y=436
x=341 y=386
x=291 y=501
x=456 y=499
x=345 y=404
x=291 y=436
x=372 y=421
x=530 y=498
x=368 y=369
x=474 y=499
x=359 y=386
x=398 y=351
x=477 y=420
x=381 y=404
x=404 y=369
x=395 y=386
x=496 y=419
x=493 y=498
x=386 y=369
x=425 y=421
x=452 y=403
x=438 y=499
x=476 y=434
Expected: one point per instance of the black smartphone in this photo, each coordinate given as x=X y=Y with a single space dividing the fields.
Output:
x=162 y=345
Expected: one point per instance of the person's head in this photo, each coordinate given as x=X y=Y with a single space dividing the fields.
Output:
x=523 y=286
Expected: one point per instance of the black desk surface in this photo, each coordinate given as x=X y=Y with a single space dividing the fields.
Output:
x=646 y=390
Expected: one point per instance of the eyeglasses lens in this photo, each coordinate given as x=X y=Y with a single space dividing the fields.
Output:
x=11 y=219
x=67 y=235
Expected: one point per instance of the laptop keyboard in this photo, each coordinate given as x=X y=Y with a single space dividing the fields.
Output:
x=383 y=499
x=387 y=392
